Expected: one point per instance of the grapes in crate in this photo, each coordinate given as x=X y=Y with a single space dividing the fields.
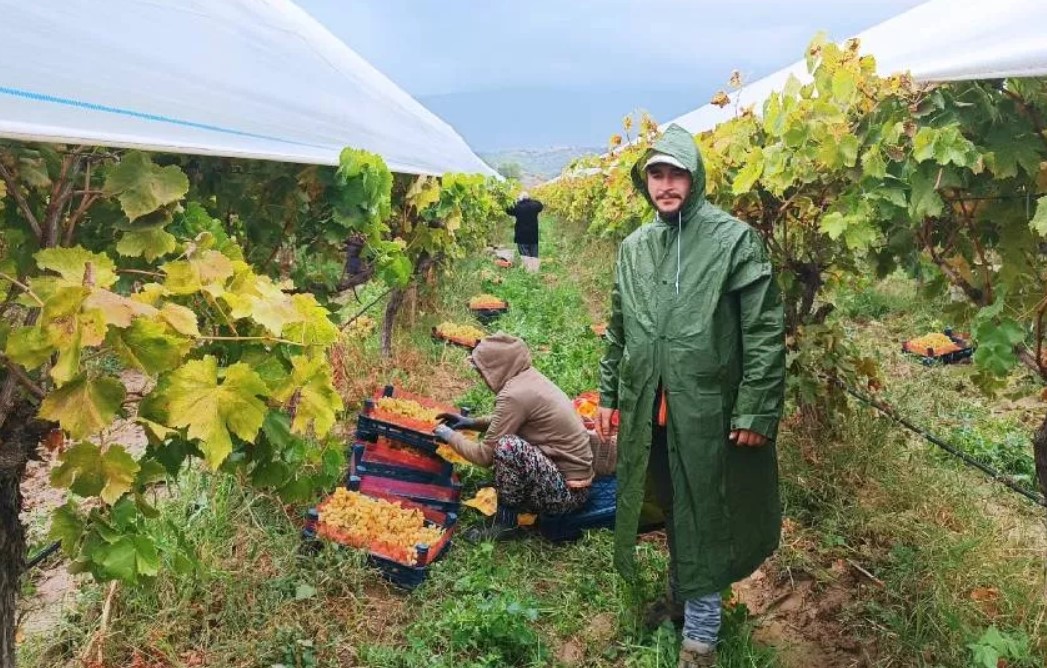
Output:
x=465 y=334
x=486 y=301
x=381 y=526
x=406 y=412
x=936 y=344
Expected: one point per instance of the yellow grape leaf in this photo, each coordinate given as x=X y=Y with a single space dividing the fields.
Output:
x=149 y=346
x=207 y=269
x=142 y=186
x=88 y=471
x=181 y=319
x=263 y=301
x=150 y=294
x=84 y=407
x=71 y=265
x=526 y=519
x=149 y=242
x=486 y=501
x=118 y=310
x=211 y=410
x=313 y=328
x=424 y=192
x=318 y=402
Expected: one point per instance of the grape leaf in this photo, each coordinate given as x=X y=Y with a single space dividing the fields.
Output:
x=118 y=310
x=118 y=560
x=87 y=471
x=317 y=399
x=1039 y=219
x=28 y=346
x=749 y=174
x=262 y=301
x=149 y=346
x=66 y=526
x=149 y=242
x=924 y=202
x=181 y=319
x=211 y=410
x=314 y=328
x=142 y=186
x=84 y=407
x=71 y=265
x=209 y=268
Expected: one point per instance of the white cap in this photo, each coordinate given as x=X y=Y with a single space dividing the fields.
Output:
x=664 y=159
x=525 y=195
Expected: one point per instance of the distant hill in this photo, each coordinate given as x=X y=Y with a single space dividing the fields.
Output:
x=537 y=165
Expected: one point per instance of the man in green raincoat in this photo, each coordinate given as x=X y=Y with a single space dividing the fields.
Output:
x=695 y=364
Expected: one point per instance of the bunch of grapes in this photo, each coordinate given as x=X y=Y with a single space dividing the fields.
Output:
x=406 y=411
x=378 y=525
x=485 y=301
x=464 y=333
x=939 y=344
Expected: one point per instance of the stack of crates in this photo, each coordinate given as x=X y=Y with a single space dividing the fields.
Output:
x=400 y=464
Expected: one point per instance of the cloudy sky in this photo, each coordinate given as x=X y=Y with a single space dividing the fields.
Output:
x=563 y=72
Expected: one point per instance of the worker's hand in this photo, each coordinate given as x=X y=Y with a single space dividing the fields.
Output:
x=443 y=433
x=456 y=421
x=748 y=438
x=605 y=427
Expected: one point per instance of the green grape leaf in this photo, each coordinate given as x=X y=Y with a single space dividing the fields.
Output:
x=71 y=264
x=318 y=401
x=142 y=186
x=118 y=560
x=67 y=526
x=149 y=346
x=844 y=86
x=28 y=346
x=834 y=224
x=1039 y=219
x=147 y=561
x=262 y=301
x=749 y=174
x=924 y=202
x=84 y=407
x=211 y=410
x=150 y=243
x=87 y=471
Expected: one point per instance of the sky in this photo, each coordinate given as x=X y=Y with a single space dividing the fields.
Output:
x=551 y=73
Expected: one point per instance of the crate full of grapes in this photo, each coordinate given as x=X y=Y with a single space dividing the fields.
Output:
x=402 y=539
x=487 y=307
x=402 y=417
x=394 y=460
x=465 y=336
x=940 y=348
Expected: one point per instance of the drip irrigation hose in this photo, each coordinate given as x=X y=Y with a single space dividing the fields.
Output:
x=989 y=471
x=43 y=554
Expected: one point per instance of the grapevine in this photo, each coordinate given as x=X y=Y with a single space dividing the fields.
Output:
x=379 y=525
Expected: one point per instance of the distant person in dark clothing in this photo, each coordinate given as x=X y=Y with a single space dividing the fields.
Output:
x=526 y=211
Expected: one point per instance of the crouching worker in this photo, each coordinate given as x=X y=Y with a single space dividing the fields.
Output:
x=535 y=442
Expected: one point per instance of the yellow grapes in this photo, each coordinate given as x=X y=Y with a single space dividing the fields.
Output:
x=360 y=328
x=486 y=301
x=378 y=524
x=408 y=408
x=461 y=332
x=939 y=343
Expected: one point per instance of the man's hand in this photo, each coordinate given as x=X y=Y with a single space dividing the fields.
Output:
x=456 y=421
x=748 y=438
x=605 y=427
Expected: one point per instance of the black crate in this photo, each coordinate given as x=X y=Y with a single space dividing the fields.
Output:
x=369 y=428
x=488 y=315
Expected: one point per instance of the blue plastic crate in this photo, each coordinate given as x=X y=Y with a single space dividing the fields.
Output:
x=597 y=513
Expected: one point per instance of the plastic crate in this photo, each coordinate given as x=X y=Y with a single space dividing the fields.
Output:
x=383 y=460
x=453 y=341
x=597 y=513
x=399 y=574
x=488 y=315
x=928 y=358
x=370 y=427
x=446 y=498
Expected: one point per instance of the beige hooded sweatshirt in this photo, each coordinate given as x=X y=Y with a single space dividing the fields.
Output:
x=530 y=406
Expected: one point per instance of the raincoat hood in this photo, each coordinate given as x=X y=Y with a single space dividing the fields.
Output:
x=499 y=358
x=678 y=143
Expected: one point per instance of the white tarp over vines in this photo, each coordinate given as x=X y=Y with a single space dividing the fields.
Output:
x=238 y=78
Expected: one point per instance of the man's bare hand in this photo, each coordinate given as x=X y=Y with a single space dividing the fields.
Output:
x=605 y=428
x=748 y=438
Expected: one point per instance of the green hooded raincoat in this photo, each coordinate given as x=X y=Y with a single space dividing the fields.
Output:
x=695 y=307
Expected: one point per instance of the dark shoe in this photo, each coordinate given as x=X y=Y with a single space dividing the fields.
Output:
x=491 y=529
x=661 y=611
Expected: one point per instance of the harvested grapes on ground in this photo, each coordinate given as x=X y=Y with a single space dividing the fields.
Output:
x=382 y=526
